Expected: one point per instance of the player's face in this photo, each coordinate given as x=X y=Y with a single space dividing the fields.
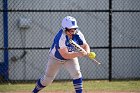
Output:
x=71 y=31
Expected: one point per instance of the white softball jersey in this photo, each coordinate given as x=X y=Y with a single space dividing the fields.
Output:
x=61 y=40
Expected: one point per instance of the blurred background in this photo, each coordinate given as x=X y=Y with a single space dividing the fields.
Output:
x=111 y=27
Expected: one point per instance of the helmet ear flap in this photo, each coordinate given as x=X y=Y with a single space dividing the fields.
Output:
x=66 y=29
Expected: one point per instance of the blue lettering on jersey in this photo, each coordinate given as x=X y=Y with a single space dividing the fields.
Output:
x=70 y=49
x=69 y=46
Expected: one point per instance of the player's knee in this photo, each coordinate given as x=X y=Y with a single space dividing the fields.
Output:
x=47 y=80
x=77 y=75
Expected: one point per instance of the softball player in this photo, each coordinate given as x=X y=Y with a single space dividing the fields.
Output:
x=63 y=53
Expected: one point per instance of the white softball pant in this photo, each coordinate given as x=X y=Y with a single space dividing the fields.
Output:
x=54 y=65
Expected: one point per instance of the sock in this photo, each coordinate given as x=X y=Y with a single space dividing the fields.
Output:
x=38 y=87
x=78 y=85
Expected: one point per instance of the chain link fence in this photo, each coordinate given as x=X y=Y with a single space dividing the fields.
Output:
x=112 y=32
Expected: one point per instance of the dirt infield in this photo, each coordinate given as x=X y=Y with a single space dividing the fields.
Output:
x=74 y=92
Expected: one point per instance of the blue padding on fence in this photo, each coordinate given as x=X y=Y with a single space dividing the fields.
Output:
x=5 y=26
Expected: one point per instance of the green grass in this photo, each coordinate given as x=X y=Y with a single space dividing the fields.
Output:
x=113 y=86
x=92 y=85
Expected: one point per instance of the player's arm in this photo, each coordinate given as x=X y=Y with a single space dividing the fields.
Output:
x=86 y=47
x=69 y=55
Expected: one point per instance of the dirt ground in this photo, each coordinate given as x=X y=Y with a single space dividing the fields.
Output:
x=72 y=92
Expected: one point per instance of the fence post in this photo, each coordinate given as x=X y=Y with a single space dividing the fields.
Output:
x=110 y=40
x=5 y=28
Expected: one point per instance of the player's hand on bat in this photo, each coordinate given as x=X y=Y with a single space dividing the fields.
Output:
x=83 y=53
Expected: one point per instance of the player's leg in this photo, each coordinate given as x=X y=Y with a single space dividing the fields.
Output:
x=51 y=70
x=74 y=70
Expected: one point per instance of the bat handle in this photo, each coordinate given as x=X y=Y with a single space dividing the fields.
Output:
x=96 y=61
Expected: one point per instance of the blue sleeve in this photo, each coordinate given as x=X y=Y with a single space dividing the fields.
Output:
x=79 y=40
